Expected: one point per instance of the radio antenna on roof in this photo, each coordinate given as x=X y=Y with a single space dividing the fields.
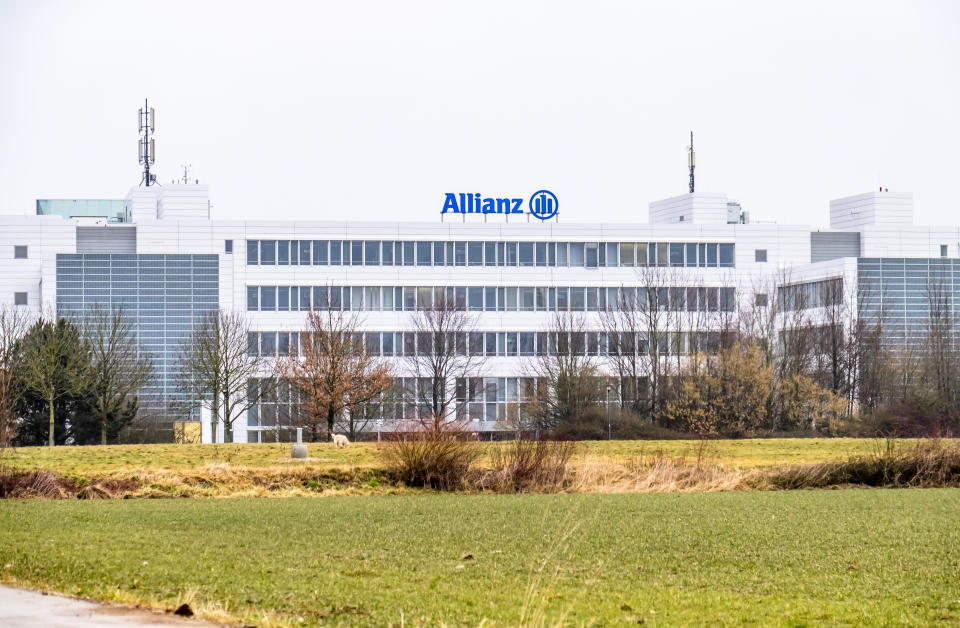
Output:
x=186 y=172
x=147 y=149
x=691 y=161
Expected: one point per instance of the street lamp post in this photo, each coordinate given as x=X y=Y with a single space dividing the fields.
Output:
x=609 y=432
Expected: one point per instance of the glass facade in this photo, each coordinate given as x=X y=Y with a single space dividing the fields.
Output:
x=164 y=296
x=113 y=210
x=491 y=253
x=905 y=295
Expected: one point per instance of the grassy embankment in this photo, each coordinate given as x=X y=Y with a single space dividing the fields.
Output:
x=256 y=470
x=857 y=557
x=597 y=467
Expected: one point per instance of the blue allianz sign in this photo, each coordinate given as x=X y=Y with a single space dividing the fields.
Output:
x=543 y=205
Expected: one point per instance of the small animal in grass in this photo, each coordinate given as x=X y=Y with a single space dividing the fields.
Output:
x=340 y=440
x=474 y=436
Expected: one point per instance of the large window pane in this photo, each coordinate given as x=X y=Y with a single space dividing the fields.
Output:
x=371 y=253
x=541 y=254
x=475 y=253
x=726 y=255
x=489 y=253
x=408 y=254
x=423 y=254
x=526 y=253
x=268 y=298
x=253 y=252
x=253 y=298
x=335 y=252
x=387 y=250
x=576 y=255
x=320 y=251
x=283 y=252
x=268 y=252
x=676 y=254
x=356 y=253
x=438 y=253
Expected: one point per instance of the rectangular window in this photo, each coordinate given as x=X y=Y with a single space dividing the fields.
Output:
x=320 y=251
x=691 y=255
x=448 y=257
x=268 y=343
x=335 y=252
x=19 y=298
x=253 y=298
x=321 y=298
x=227 y=248
x=409 y=298
x=760 y=299
x=387 y=253
x=663 y=254
x=371 y=250
x=268 y=298
x=305 y=299
x=408 y=253
x=728 y=300
x=511 y=253
x=578 y=301
x=726 y=256
x=460 y=253
x=676 y=254
x=475 y=253
x=283 y=298
x=711 y=255
x=526 y=253
x=268 y=252
x=552 y=254
x=501 y=254
x=576 y=255
x=489 y=253
x=253 y=343
x=295 y=252
x=591 y=255
x=491 y=298
x=562 y=301
x=511 y=298
x=475 y=298
x=283 y=252
x=253 y=252
x=356 y=253
x=943 y=250
x=541 y=254
x=526 y=299
x=423 y=254
x=305 y=246
x=760 y=255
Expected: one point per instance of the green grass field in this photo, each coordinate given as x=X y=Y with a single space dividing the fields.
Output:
x=861 y=557
x=90 y=461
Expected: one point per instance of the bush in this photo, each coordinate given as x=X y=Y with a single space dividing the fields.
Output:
x=928 y=464
x=433 y=457
x=525 y=465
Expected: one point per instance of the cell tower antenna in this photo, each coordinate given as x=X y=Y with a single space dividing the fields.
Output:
x=691 y=161
x=186 y=172
x=147 y=148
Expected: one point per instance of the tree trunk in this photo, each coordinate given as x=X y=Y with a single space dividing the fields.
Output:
x=214 y=419
x=103 y=430
x=227 y=432
x=50 y=401
x=331 y=417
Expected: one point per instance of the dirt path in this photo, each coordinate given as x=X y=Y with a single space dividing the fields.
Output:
x=29 y=609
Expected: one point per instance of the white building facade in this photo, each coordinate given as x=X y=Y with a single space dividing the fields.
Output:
x=160 y=255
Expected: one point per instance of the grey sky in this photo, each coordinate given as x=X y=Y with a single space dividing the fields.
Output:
x=373 y=110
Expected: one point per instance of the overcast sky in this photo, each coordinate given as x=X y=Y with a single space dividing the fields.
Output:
x=373 y=110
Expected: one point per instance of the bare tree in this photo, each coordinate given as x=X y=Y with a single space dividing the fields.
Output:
x=216 y=369
x=118 y=370
x=13 y=325
x=438 y=356
x=334 y=374
x=569 y=381
x=54 y=363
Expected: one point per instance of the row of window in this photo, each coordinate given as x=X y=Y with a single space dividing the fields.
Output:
x=489 y=298
x=444 y=253
x=500 y=344
x=813 y=294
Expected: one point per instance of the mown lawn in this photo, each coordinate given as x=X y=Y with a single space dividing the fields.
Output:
x=862 y=557
x=98 y=461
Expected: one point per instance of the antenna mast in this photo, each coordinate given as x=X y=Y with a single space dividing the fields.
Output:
x=186 y=172
x=146 y=149
x=691 y=161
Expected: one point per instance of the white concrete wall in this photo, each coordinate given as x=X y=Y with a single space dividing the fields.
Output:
x=698 y=208
x=887 y=208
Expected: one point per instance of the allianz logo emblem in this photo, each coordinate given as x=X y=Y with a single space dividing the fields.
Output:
x=543 y=205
